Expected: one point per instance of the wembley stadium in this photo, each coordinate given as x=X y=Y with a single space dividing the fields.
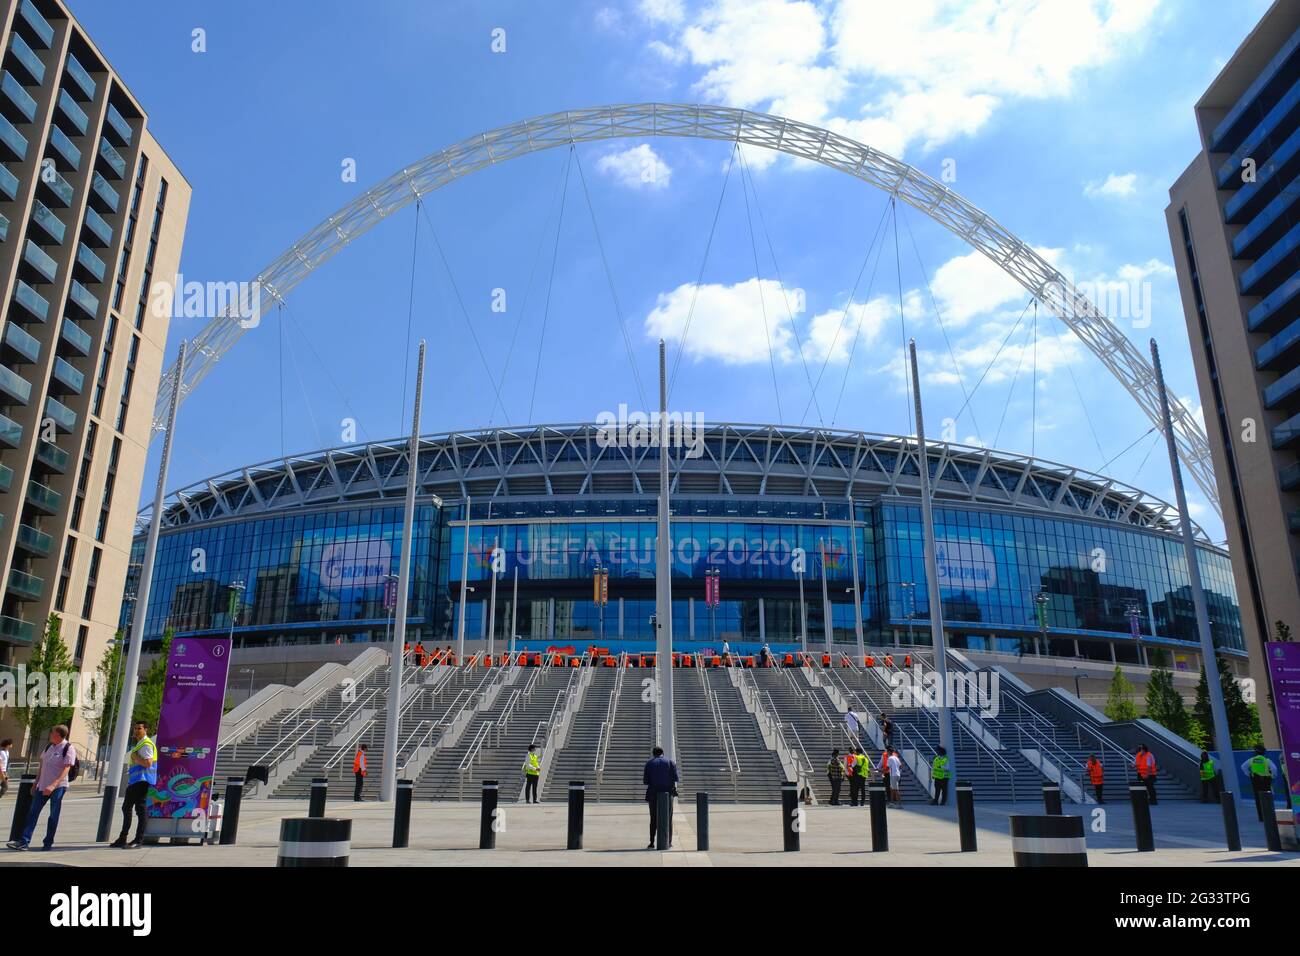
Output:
x=1036 y=558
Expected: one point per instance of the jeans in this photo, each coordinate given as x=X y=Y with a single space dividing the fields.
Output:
x=55 y=800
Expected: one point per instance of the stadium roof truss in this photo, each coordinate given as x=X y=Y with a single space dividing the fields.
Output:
x=1111 y=346
x=763 y=461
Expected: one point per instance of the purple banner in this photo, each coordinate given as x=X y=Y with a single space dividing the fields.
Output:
x=1284 y=674
x=194 y=695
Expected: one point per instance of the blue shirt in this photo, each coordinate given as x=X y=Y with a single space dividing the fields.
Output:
x=660 y=775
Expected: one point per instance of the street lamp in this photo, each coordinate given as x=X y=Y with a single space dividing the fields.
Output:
x=250 y=671
x=1135 y=629
x=236 y=588
x=909 y=592
x=1041 y=600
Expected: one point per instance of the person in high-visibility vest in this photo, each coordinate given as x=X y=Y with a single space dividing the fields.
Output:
x=1145 y=764
x=1096 y=776
x=940 y=773
x=862 y=773
x=1262 y=771
x=142 y=773
x=532 y=771
x=1208 y=772
x=359 y=772
x=857 y=785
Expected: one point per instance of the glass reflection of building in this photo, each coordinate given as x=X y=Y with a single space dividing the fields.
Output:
x=315 y=572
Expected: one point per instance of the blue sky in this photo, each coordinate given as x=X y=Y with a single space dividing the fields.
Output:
x=1066 y=121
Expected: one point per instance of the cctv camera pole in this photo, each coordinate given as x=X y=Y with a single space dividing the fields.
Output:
x=803 y=615
x=663 y=576
x=857 y=593
x=464 y=583
x=514 y=611
x=826 y=601
x=388 y=783
x=932 y=573
x=1222 y=737
x=126 y=700
x=492 y=600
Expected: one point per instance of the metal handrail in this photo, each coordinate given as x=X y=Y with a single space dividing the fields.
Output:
x=288 y=742
x=473 y=753
x=1125 y=759
x=732 y=758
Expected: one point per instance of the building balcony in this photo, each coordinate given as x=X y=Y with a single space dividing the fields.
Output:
x=113 y=160
x=117 y=125
x=14 y=389
x=6 y=478
x=101 y=233
x=82 y=82
x=38 y=29
x=34 y=542
x=15 y=631
x=76 y=337
x=1283 y=392
x=37 y=258
x=52 y=457
x=99 y=188
x=70 y=116
x=65 y=379
x=65 y=419
x=1274 y=173
x=24 y=586
x=1272 y=268
x=90 y=264
x=19 y=345
x=4 y=228
x=26 y=59
x=13 y=144
x=8 y=184
x=15 y=101
x=33 y=303
x=56 y=187
x=65 y=147
x=84 y=300
x=43 y=499
x=11 y=433
x=50 y=224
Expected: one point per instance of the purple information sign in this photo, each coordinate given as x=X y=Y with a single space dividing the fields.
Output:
x=1284 y=672
x=194 y=695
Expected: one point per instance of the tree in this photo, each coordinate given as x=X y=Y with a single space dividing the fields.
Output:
x=1243 y=718
x=1283 y=631
x=108 y=681
x=1119 y=700
x=148 y=701
x=1165 y=705
x=52 y=662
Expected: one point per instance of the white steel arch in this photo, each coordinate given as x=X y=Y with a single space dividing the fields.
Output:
x=895 y=177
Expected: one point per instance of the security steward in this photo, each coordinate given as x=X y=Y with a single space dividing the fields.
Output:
x=1208 y=772
x=142 y=773
x=532 y=770
x=940 y=773
x=1262 y=771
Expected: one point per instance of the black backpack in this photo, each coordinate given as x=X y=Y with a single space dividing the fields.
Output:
x=75 y=770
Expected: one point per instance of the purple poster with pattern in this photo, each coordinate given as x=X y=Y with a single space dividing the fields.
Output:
x=194 y=695
x=1284 y=673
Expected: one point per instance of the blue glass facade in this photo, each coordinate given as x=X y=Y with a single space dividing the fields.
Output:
x=319 y=576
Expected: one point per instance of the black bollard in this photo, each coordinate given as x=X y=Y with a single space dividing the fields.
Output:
x=1048 y=841
x=402 y=814
x=314 y=842
x=1052 y=799
x=879 y=826
x=107 y=808
x=663 y=821
x=1231 y=831
x=701 y=821
x=487 y=831
x=319 y=789
x=1268 y=813
x=577 y=802
x=966 y=816
x=22 y=805
x=230 y=812
x=790 y=816
x=1137 y=793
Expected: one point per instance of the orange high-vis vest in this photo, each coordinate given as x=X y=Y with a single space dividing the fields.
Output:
x=359 y=763
x=1095 y=772
x=1146 y=764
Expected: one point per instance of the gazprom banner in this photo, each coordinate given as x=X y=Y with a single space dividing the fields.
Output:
x=189 y=726
x=359 y=563
x=965 y=564
x=1284 y=673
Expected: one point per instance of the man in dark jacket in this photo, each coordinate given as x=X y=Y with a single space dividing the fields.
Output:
x=659 y=776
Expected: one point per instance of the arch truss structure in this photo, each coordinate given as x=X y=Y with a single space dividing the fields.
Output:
x=630 y=121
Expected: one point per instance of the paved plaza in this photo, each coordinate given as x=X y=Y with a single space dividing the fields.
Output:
x=446 y=834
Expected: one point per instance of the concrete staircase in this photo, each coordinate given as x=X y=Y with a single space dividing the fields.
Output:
x=715 y=736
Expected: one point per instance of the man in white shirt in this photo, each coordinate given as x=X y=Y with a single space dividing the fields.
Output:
x=50 y=787
x=4 y=765
x=895 y=778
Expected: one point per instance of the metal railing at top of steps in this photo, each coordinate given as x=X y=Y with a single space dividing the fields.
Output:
x=288 y=742
x=503 y=719
x=733 y=760
x=368 y=727
x=1124 y=758
x=607 y=726
x=440 y=726
x=472 y=754
x=760 y=704
x=550 y=733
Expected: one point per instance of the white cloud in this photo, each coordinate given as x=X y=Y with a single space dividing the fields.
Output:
x=828 y=341
x=662 y=11
x=973 y=284
x=638 y=167
x=727 y=324
x=1114 y=186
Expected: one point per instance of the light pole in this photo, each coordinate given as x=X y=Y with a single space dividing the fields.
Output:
x=250 y=671
x=1135 y=629
x=390 y=603
x=464 y=586
x=1041 y=600
x=826 y=600
x=236 y=588
x=803 y=612
x=514 y=612
x=909 y=591
x=492 y=600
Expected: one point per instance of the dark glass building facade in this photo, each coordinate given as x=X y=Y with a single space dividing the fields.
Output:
x=317 y=570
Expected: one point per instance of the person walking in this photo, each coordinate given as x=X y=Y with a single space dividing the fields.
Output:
x=142 y=773
x=1262 y=771
x=1208 y=772
x=851 y=771
x=359 y=772
x=1096 y=774
x=835 y=773
x=4 y=764
x=895 y=778
x=885 y=772
x=58 y=768
x=887 y=728
x=1145 y=763
x=659 y=776
x=532 y=770
x=940 y=773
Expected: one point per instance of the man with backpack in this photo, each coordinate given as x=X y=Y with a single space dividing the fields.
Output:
x=58 y=769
